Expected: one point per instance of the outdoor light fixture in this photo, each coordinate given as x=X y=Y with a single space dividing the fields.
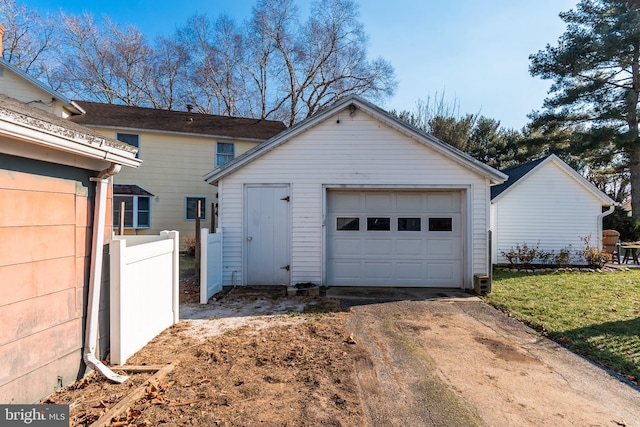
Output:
x=352 y=110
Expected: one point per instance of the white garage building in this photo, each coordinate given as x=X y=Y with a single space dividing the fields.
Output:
x=353 y=196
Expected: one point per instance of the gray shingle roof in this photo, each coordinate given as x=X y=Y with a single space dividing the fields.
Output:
x=126 y=117
x=51 y=124
x=515 y=174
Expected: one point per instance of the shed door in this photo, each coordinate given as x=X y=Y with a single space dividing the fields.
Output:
x=267 y=235
x=401 y=238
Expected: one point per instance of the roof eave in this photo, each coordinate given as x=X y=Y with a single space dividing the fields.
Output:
x=83 y=145
x=495 y=176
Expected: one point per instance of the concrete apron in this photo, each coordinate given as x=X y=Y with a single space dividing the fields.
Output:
x=383 y=293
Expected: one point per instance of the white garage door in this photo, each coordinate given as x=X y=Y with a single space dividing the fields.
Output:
x=400 y=238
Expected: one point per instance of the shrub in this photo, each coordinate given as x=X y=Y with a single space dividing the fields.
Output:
x=563 y=257
x=190 y=244
x=522 y=256
x=592 y=255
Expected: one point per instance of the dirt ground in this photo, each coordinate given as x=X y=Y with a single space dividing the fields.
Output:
x=263 y=359
x=256 y=357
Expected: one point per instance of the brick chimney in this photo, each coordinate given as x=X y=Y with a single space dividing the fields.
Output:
x=1 y=35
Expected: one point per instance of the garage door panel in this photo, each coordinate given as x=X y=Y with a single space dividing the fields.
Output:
x=346 y=246
x=443 y=248
x=441 y=272
x=443 y=202
x=346 y=201
x=378 y=202
x=346 y=270
x=378 y=247
x=414 y=271
x=410 y=247
x=378 y=270
x=410 y=202
x=386 y=238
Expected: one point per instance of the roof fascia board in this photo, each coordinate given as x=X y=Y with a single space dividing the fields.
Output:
x=450 y=152
x=100 y=151
x=569 y=170
x=168 y=132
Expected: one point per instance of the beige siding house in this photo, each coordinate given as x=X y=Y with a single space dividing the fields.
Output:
x=354 y=197
x=547 y=202
x=177 y=149
x=54 y=188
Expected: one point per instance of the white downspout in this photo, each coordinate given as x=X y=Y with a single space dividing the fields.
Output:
x=95 y=279
x=600 y=217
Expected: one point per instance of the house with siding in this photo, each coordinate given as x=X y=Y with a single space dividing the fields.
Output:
x=352 y=196
x=546 y=202
x=21 y=86
x=177 y=148
x=55 y=221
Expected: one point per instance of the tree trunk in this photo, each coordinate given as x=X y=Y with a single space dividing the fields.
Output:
x=634 y=171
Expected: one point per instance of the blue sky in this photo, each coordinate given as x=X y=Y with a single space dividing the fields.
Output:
x=475 y=52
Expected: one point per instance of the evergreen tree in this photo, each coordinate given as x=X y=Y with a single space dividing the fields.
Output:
x=596 y=73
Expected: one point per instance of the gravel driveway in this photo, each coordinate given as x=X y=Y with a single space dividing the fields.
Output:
x=459 y=362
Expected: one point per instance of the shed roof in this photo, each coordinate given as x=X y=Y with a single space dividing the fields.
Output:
x=518 y=173
x=128 y=117
x=356 y=102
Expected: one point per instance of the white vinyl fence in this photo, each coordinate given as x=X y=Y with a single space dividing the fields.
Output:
x=144 y=290
x=210 y=264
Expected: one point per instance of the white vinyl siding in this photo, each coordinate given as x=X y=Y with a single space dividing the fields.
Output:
x=547 y=206
x=353 y=152
x=172 y=169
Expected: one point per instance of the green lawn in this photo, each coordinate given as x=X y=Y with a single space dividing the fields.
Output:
x=594 y=314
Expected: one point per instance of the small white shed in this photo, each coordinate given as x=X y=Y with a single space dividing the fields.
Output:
x=546 y=201
x=352 y=196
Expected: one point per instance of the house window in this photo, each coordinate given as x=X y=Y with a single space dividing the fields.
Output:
x=225 y=151
x=137 y=211
x=131 y=139
x=191 y=205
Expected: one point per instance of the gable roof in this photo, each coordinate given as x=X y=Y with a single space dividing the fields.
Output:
x=25 y=123
x=514 y=173
x=356 y=102
x=519 y=173
x=71 y=106
x=127 y=117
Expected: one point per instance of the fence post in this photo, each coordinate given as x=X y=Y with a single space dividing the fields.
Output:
x=175 y=235
x=117 y=249
x=204 y=274
x=198 y=239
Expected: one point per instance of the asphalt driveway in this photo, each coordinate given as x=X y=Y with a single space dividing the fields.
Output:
x=443 y=359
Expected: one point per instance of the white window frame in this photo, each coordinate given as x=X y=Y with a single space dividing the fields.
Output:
x=136 y=212
x=218 y=153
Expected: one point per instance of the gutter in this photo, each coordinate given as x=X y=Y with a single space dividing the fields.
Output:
x=612 y=207
x=95 y=279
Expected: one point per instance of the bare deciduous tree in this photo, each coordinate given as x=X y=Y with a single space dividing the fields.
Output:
x=104 y=63
x=271 y=66
x=27 y=38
